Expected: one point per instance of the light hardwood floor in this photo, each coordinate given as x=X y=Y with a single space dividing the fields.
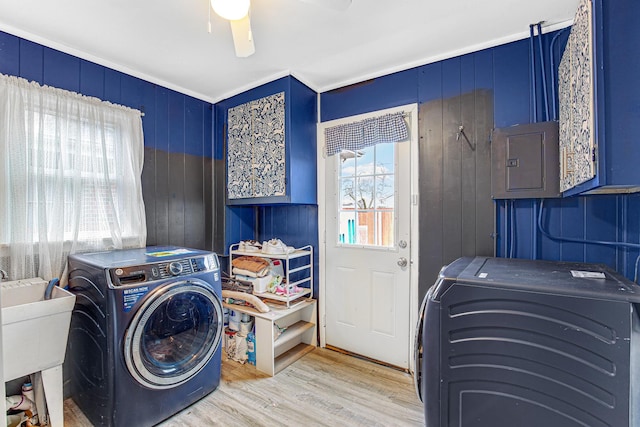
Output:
x=324 y=388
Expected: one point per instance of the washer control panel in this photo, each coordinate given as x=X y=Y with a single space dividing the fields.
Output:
x=131 y=275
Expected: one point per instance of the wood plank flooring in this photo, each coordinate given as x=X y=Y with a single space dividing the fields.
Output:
x=324 y=388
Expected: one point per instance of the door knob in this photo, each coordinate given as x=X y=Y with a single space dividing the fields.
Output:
x=402 y=262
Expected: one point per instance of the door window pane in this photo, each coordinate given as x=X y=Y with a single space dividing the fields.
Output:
x=367 y=196
x=385 y=158
x=365 y=192
x=347 y=194
x=348 y=163
x=347 y=230
x=365 y=161
x=385 y=192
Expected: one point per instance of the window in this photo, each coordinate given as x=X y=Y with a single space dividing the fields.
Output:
x=70 y=179
x=367 y=196
x=86 y=161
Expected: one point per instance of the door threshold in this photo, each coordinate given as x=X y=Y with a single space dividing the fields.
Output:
x=368 y=359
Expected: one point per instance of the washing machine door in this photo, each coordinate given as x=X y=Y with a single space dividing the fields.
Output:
x=174 y=334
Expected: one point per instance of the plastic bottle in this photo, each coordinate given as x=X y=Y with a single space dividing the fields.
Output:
x=251 y=348
x=29 y=394
x=27 y=391
x=24 y=401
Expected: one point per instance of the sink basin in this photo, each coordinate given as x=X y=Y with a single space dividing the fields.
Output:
x=34 y=330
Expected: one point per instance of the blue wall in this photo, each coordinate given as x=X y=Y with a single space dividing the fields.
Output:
x=506 y=70
x=294 y=224
x=172 y=121
x=177 y=131
x=176 y=123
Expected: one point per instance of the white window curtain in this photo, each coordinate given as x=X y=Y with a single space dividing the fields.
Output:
x=70 y=178
x=388 y=128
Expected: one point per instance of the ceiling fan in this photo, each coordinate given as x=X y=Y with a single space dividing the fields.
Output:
x=237 y=13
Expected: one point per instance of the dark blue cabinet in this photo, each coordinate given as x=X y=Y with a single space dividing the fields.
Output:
x=600 y=100
x=270 y=141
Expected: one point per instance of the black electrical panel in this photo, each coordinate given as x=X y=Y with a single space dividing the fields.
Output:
x=525 y=162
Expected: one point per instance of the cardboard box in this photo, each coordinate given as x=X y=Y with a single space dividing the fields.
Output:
x=34 y=330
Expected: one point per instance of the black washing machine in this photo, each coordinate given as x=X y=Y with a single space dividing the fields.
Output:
x=145 y=335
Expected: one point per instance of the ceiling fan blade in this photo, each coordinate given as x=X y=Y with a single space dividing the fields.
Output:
x=242 y=37
x=331 y=4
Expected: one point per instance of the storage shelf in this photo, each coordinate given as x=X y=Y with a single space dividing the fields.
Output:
x=296 y=312
x=273 y=355
x=283 y=298
x=294 y=331
x=291 y=356
x=304 y=267
x=274 y=313
x=292 y=255
x=300 y=282
x=303 y=278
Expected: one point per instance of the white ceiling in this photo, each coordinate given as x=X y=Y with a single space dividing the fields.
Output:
x=167 y=42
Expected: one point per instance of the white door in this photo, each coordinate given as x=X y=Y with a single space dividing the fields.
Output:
x=368 y=295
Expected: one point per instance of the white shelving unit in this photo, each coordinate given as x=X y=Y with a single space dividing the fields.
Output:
x=299 y=338
x=307 y=278
x=297 y=315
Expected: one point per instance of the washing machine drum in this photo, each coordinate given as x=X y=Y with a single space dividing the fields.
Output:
x=174 y=334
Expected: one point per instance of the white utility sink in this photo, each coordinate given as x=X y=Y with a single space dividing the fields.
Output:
x=34 y=340
x=34 y=330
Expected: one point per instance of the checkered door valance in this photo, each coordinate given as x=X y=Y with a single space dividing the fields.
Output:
x=365 y=133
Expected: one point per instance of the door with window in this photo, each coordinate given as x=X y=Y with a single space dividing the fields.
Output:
x=367 y=280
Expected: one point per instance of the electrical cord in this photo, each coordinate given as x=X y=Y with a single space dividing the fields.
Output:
x=544 y=74
x=589 y=242
x=554 y=117
x=532 y=87
x=572 y=240
x=512 y=249
x=553 y=73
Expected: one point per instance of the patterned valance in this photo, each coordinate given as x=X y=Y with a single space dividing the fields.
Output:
x=365 y=133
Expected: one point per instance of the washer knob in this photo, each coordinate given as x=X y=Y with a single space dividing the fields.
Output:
x=175 y=268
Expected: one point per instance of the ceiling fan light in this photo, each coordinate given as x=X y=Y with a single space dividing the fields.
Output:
x=231 y=9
